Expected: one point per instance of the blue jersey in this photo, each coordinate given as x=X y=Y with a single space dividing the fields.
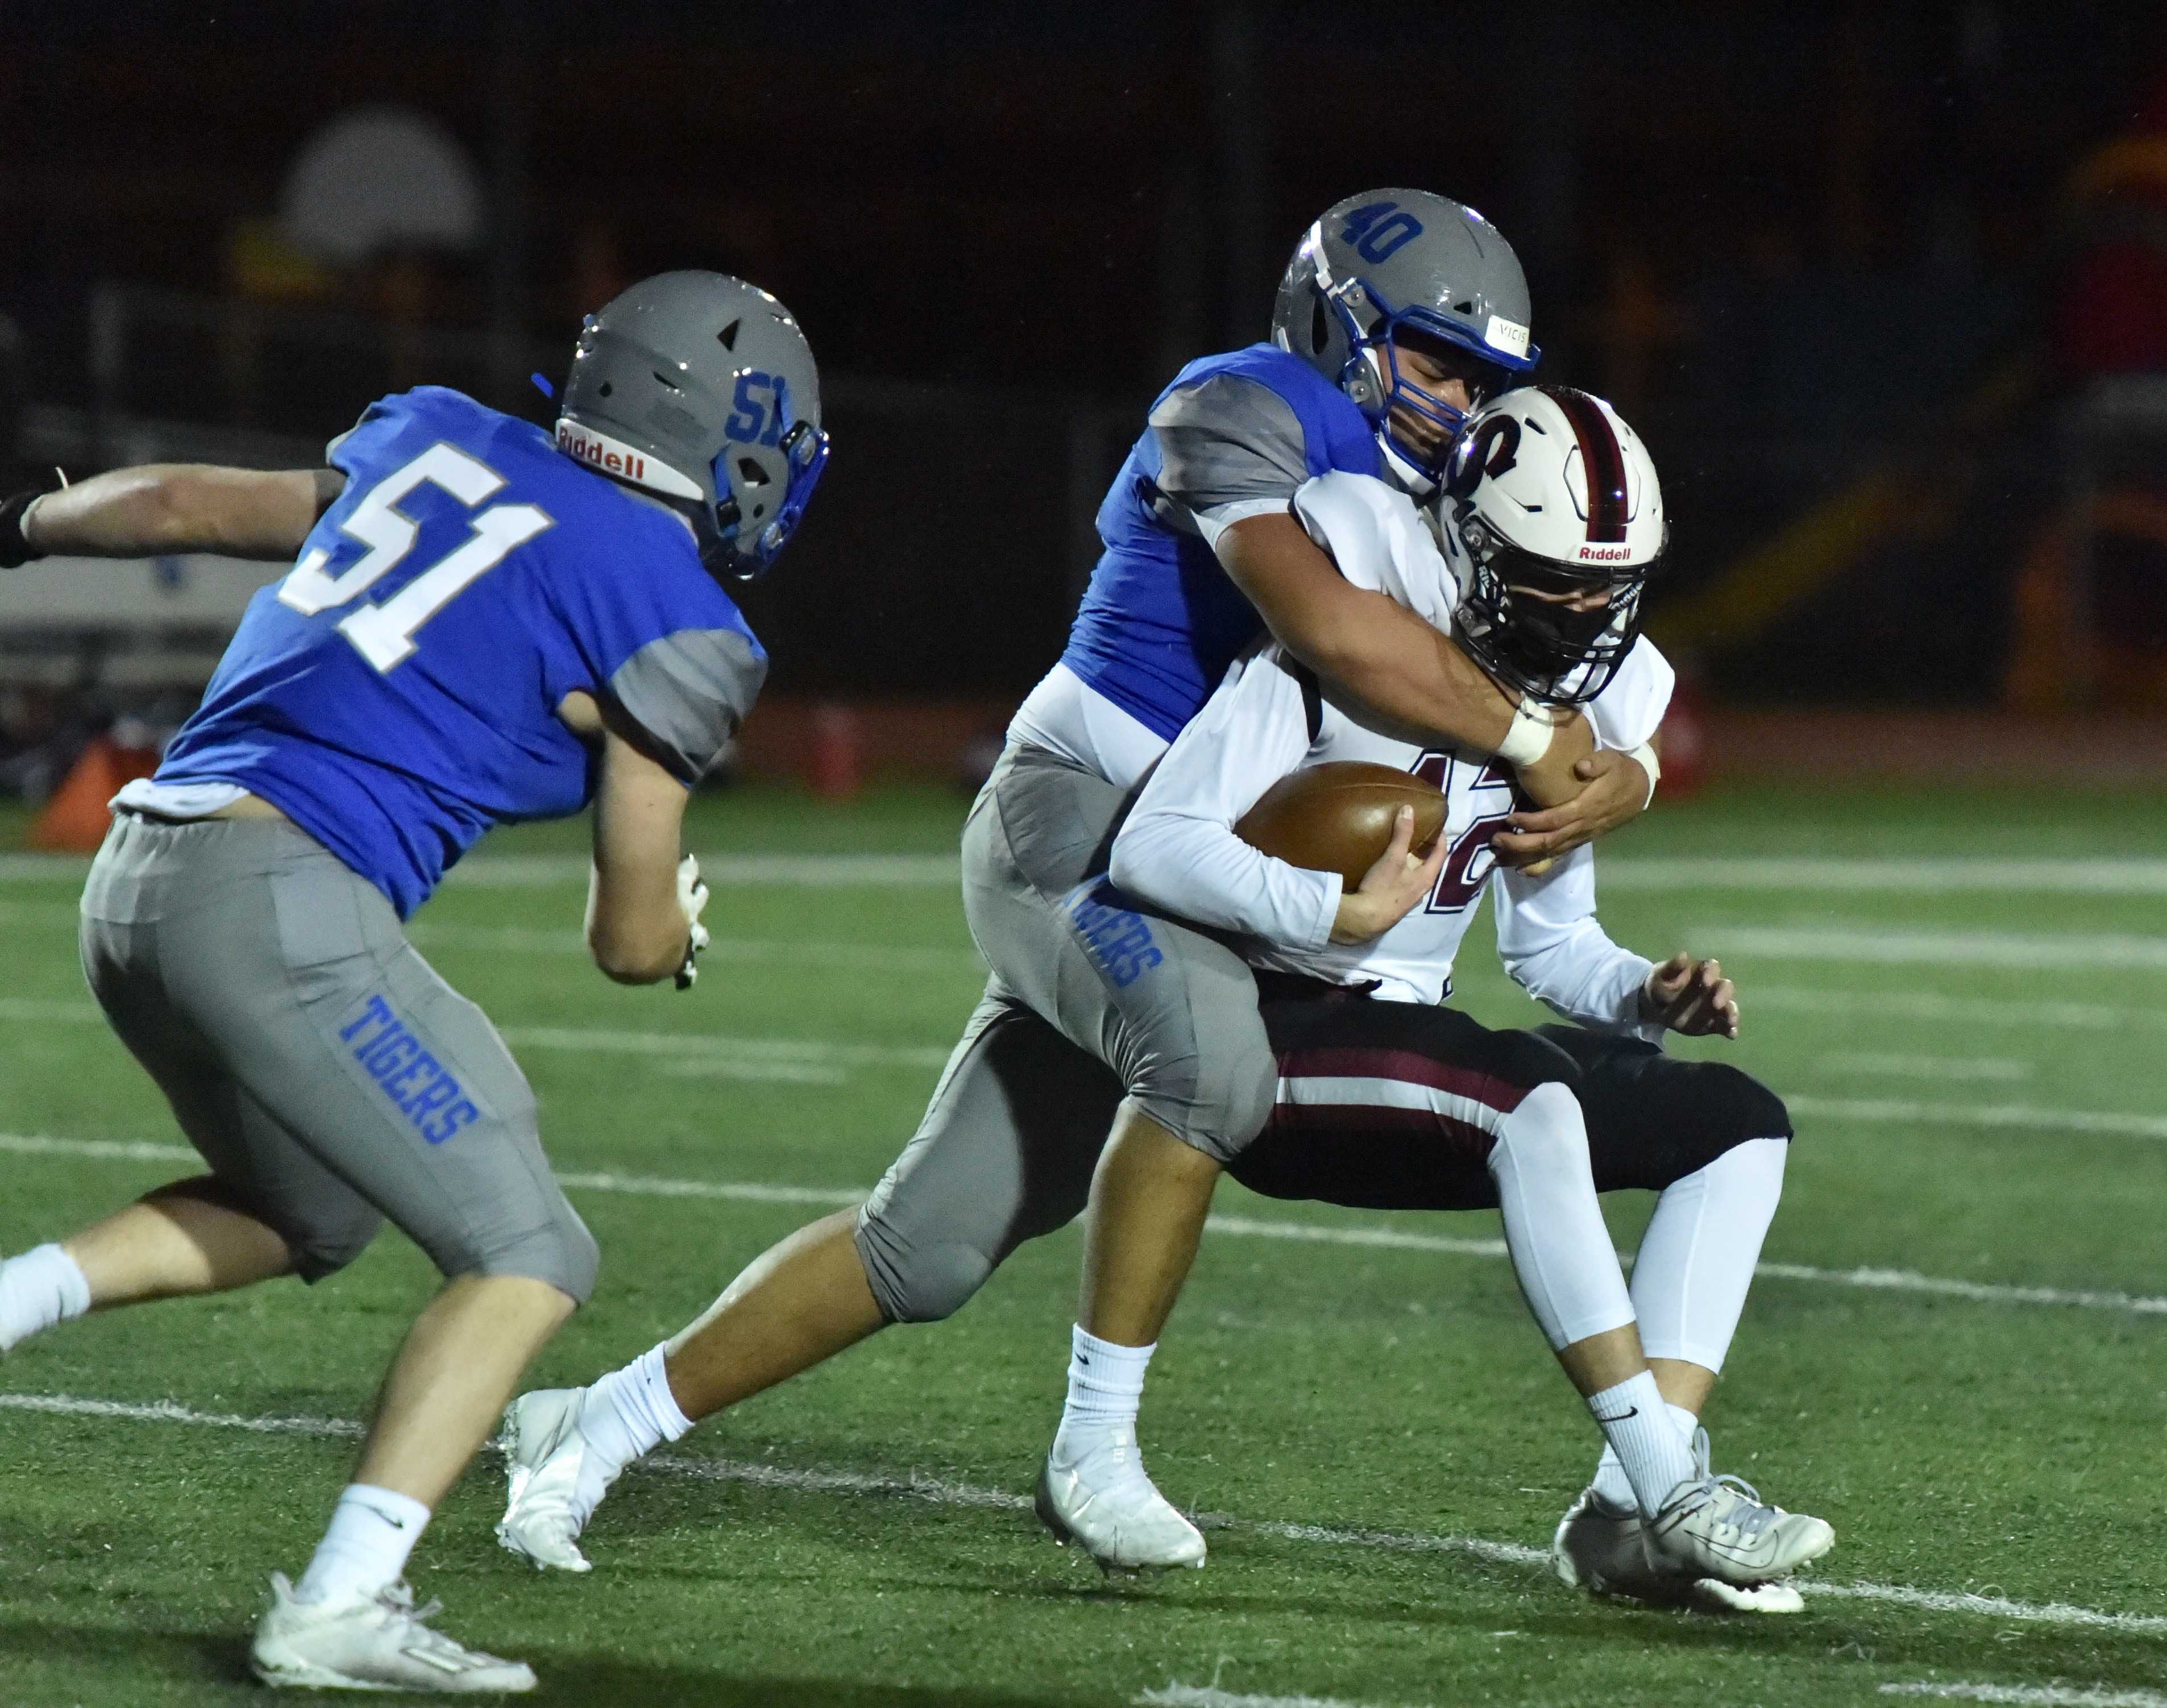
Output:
x=1161 y=621
x=396 y=695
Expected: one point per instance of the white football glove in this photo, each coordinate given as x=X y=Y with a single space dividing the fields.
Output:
x=692 y=898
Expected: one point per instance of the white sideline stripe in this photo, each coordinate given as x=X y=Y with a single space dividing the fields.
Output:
x=1940 y=1067
x=943 y=1493
x=1174 y=1695
x=2045 y=1122
x=2032 y=1695
x=1237 y=1227
x=1995 y=949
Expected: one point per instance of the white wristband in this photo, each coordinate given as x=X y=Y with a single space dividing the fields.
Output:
x=1528 y=738
x=1644 y=756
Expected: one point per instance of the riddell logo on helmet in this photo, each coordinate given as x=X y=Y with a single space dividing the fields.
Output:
x=599 y=452
x=592 y=449
x=1605 y=554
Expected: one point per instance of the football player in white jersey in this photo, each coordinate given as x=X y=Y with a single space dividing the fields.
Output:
x=1551 y=520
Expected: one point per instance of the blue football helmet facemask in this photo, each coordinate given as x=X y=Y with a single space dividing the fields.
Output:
x=1485 y=378
x=805 y=451
x=700 y=389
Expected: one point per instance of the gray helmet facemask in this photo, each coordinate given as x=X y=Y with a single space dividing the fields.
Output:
x=1391 y=259
x=700 y=388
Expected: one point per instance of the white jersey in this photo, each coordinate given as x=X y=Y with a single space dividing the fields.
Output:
x=1270 y=717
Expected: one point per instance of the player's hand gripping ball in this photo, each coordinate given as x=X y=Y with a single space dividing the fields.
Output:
x=1337 y=817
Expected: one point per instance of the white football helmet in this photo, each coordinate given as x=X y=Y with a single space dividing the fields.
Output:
x=1553 y=518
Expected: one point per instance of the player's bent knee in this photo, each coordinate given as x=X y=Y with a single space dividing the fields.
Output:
x=1742 y=1107
x=327 y=1247
x=560 y=1252
x=1215 y=1100
x=1556 y=1139
x=914 y=1283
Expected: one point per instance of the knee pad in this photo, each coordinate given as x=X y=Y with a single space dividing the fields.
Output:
x=561 y=1252
x=329 y=1247
x=914 y=1283
x=1554 y=1137
x=1724 y=1108
x=1214 y=1100
x=1740 y=1106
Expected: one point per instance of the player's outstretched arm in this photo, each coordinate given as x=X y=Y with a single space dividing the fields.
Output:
x=164 y=507
x=1408 y=672
x=638 y=927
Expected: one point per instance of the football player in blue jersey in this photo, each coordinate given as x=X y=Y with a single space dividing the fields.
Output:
x=483 y=623
x=1400 y=312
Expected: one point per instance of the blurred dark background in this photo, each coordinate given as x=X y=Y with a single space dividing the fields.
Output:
x=1884 y=287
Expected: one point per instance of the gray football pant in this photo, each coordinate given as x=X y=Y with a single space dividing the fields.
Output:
x=1141 y=1007
x=328 y=1077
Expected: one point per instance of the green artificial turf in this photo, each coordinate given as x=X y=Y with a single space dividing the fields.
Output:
x=858 y=1537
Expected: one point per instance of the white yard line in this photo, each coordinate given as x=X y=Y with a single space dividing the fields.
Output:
x=538 y=939
x=1644 y=873
x=706 y=1047
x=1180 y=1695
x=1875 y=1064
x=1936 y=877
x=1228 y=1226
x=2031 y=1695
x=1923 y=1007
x=2043 y=1123
x=1935 y=1009
x=1863 y=946
x=825 y=871
x=705 y=1055
x=941 y=1492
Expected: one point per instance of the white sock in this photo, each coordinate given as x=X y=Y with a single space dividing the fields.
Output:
x=1610 y=1480
x=372 y=1533
x=1639 y=1428
x=1106 y=1384
x=627 y=1414
x=42 y=1287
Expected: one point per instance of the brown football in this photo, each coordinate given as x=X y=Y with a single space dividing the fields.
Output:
x=1337 y=817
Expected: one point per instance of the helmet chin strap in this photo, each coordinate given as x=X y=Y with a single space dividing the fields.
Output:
x=1404 y=474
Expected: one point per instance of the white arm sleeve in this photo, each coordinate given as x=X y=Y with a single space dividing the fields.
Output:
x=1178 y=849
x=1551 y=943
x=1631 y=707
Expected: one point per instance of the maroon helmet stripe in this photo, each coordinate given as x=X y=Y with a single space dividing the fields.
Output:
x=1604 y=459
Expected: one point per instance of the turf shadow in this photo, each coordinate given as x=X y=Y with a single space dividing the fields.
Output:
x=172 y=1653
x=121 y=1660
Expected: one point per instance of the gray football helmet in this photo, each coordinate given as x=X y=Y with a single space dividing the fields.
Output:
x=699 y=388
x=1389 y=259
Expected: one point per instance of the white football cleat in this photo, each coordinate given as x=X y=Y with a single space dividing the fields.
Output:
x=1601 y=1548
x=1100 y=1500
x=544 y=1455
x=371 y=1642
x=1719 y=1527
